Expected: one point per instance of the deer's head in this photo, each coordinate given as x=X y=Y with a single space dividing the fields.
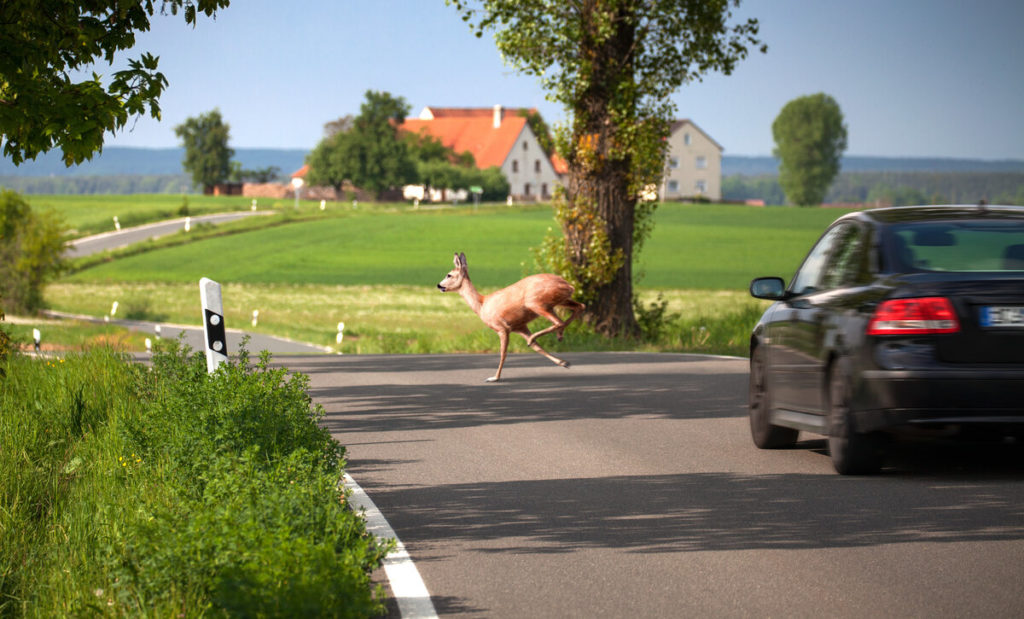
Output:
x=456 y=276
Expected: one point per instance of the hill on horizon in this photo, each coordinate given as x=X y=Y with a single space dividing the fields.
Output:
x=125 y=161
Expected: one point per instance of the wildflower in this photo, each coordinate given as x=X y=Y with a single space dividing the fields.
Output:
x=98 y=593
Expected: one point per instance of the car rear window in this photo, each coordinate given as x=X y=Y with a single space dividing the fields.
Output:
x=962 y=245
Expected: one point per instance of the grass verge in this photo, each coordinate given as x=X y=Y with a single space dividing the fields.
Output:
x=170 y=492
x=406 y=319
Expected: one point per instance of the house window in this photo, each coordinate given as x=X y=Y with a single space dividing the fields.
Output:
x=515 y=165
x=536 y=166
x=525 y=144
x=544 y=189
x=702 y=186
x=673 y=186
x=686 y=139
x=526 y=189
x=673 y=162
x=702 y=163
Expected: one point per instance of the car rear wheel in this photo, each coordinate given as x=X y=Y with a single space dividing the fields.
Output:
x=765 y=435
x=852 y=453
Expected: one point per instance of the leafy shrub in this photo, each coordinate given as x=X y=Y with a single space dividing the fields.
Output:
x=171 y=491
x=31 y=248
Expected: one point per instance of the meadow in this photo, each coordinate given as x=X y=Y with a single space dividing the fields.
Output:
x=92 y=214
x=375 y=268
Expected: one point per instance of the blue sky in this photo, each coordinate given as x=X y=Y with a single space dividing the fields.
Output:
x=914 y=78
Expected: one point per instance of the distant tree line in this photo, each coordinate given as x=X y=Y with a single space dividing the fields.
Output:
x=119 y=184
x=895 y=188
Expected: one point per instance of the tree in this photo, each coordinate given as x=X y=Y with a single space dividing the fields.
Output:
x=207 y=155
x=45 y=42
x=612 y=64
x=810 y=138
x=31 y=252
x=369 y=154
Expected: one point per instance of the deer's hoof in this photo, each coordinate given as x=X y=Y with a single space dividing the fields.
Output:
x=565 y=364
x=492 y=379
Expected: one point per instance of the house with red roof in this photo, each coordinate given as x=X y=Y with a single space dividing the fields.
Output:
x=496 y=136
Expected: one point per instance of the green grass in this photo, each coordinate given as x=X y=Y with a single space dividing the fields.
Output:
x=91 y=214
x=376 y=270
x=75 y=335
x=713 y=247
x=166 y=492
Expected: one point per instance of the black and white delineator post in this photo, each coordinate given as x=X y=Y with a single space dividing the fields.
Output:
x=213 y=324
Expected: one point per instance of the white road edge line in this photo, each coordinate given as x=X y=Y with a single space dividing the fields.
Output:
x=406 y=584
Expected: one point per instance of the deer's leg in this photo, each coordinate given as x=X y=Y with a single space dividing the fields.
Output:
x=503 y=339
x=576 y=308
x=535 y=346
x=556 y=324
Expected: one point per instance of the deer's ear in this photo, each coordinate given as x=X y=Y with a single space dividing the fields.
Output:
x=460 y=261
x=456 y=261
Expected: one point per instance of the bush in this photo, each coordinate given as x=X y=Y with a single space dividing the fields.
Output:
x=31 y=248
x=160 y=492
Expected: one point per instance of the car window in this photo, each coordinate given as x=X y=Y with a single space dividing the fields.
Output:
x=845 y=265
x=808 y=277
x=963 y=246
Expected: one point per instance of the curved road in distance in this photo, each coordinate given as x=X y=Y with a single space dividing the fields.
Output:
x=628 y=486
x=126 y=236
x=193 y=335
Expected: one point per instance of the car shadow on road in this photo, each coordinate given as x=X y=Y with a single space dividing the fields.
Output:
x=706 y=511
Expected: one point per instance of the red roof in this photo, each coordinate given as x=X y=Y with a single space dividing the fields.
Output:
x=301 y=172
x=472 y=129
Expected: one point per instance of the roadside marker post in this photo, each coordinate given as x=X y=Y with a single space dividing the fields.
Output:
x=213 y=324
x=36 y=339
x=341 y=333
x=255 y=317
x=188 y=224
x=117 y=224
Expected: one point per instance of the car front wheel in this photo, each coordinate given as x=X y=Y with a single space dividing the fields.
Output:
x=852 y=453
x=765 y=435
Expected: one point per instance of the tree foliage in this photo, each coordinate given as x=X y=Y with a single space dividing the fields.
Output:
x=367 y=152
x=46 y=99
x=207 y=154
x=31 y=252
x=612 y=64
x=810 y=138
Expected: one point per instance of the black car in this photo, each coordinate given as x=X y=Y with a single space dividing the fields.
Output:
x=899 y=319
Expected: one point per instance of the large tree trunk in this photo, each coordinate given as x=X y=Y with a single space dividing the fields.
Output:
x=599 y=175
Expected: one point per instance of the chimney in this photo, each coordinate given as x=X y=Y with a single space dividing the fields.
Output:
x=497 y=116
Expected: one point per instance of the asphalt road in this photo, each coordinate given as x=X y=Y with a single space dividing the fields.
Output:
x=127 y=236
x=628 y=486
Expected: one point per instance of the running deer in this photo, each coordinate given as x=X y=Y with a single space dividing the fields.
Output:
x=511 y=309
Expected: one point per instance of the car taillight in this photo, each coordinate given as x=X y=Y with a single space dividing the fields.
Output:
x=925 y=315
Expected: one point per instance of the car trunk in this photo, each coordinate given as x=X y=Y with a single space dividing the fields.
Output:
x=991 y=315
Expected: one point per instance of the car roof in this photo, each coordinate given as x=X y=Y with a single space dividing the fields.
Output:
x=905 y=214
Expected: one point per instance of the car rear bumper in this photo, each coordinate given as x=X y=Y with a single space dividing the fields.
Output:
x=911 y=397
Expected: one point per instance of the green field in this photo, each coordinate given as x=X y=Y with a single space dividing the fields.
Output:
x=91 y=214
x=376 y=267
x=708 y=247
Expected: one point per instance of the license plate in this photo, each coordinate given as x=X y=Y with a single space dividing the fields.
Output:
x=1002 y=316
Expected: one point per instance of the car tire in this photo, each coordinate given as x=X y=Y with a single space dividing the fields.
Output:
x=852 y=453
x=765 y=435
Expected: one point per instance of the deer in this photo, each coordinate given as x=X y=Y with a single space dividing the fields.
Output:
x=512 y=308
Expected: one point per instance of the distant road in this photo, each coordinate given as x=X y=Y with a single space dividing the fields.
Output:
x=193 y=335
x=127 y=236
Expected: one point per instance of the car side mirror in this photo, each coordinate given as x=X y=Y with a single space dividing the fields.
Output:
x=772 y=288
